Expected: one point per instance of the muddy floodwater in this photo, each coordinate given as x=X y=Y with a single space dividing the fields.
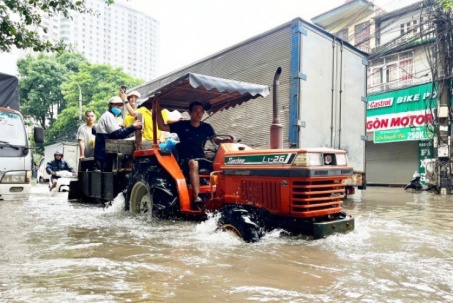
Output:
x=52 y=250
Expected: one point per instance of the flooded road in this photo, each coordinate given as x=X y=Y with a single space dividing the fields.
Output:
x=56 y=251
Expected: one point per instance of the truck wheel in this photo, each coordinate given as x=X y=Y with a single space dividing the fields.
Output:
x=239 y=222
x=141 y=201
x=41 y=180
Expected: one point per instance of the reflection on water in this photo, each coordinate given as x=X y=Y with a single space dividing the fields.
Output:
x=55 y=251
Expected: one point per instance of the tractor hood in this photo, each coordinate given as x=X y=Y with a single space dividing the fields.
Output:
x=214 y=93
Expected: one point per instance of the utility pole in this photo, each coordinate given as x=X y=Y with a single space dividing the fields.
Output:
x=443 y=30
x=80 y=102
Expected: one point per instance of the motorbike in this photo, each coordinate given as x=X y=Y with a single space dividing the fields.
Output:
x=65 y=177
x=415 y=184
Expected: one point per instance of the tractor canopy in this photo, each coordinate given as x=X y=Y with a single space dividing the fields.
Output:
x=214 y=93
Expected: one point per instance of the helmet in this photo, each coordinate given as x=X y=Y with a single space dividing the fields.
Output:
x=133 y=93
x=58 y=153
x=115 y=100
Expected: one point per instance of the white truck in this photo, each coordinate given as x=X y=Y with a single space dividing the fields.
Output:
x=322 y=91
x=70 y=152
x=15 y=153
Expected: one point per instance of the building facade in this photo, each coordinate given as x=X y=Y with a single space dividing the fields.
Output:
x=115 y=35
x=402 y=99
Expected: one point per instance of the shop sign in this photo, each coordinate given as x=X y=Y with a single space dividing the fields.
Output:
x=425 y=151
x=402 y=134
x=399 y=120
x=414 y=98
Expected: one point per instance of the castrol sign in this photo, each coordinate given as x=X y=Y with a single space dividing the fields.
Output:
x=380 y=103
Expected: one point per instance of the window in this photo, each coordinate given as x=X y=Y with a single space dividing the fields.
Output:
x=343 y=34
x=362 y=32
x=362 y=36
x=391 y=72
x=406 y=69
x=377 y=76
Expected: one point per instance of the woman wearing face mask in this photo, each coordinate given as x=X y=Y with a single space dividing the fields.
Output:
x=108 y=128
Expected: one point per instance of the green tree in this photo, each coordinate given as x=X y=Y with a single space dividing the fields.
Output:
x=40 y=80
x=21 y=22
x=446 y=4
x=49 y=89
x=98 y=83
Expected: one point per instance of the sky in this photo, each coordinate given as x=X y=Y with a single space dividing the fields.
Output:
x=191 y=30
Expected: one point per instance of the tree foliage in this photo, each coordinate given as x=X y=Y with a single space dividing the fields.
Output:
x=40 y=80
x=21 y=22
x=51 y=85
x=446 y=4
x=98 y=82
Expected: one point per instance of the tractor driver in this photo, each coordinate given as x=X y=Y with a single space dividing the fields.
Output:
x=192 y=134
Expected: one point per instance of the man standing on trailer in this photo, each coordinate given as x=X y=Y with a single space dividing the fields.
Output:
x=86 y=137
x=192 y=134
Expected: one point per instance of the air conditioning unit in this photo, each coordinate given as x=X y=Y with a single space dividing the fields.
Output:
x=442 y=112
x=442 y=150
x=430 y=171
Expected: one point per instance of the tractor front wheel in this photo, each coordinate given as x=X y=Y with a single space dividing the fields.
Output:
x=240 y=223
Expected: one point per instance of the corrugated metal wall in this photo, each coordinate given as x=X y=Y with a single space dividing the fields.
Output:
x=256 y=61
x=391 y=163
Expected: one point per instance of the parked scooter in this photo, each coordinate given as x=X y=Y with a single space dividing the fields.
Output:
x=65 y=177
x=415 y=184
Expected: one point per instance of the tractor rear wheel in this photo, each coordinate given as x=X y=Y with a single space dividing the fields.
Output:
x=141 y=201
x=240 y=223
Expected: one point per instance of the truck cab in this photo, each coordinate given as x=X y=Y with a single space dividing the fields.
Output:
x=15 y=155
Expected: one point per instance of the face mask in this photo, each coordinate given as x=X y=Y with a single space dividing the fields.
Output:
x=116 y=111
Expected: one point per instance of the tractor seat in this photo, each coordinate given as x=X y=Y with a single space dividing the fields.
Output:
x=205 y=171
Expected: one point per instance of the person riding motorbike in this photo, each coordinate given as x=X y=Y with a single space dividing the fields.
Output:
x=56 y=165
x=416 y=184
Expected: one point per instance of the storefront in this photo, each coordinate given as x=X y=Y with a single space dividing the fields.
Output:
x=400 y=131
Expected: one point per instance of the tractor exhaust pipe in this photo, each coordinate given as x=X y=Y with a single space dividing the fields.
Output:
x=276 y=127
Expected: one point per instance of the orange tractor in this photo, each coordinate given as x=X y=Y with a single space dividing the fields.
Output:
x=298 y=190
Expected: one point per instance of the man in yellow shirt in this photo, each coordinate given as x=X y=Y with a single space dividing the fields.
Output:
x=147 y=118
x=132 y=99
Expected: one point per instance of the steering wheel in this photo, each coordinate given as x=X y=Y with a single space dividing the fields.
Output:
x=210 y=147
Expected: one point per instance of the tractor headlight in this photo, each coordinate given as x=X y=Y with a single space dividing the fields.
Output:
x=320 y=159
x=308 y=159
x=341 y=159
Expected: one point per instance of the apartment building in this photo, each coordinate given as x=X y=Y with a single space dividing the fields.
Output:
x=117 y=35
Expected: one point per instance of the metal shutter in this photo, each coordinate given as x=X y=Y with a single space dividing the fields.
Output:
x=391 y=163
